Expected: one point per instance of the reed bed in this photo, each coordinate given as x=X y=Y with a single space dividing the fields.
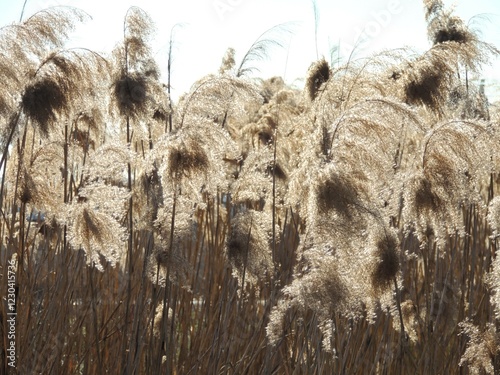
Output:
x=251 y=227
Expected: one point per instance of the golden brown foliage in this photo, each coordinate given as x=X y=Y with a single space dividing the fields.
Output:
x=253 y=227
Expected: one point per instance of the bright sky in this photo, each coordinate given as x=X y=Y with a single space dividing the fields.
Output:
x=211 y=26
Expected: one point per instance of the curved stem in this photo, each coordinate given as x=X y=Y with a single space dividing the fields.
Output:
x=22 y=11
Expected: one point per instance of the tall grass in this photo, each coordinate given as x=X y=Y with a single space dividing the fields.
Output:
x=252 y=227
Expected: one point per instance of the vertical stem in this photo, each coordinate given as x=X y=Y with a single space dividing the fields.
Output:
x=129 y=256
x=316 y=24
x=169 y=67
x=13 y=125
x=65 y=181
x=274 y=195
x=95 y=319
x=467 y=82
x=22 y=216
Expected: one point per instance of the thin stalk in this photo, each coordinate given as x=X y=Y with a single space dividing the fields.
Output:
x=95 y=320
x=130 y=259
x=316 y=25
x=22 y=11
x=166 y=298
x=65 y=181
x=274 y=196
x=245 y=262
x=13 y=125
x=169 y=76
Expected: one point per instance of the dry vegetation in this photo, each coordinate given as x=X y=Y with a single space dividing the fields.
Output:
x=249 y=228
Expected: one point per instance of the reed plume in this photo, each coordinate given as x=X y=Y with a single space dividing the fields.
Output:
x=318 y=74
x=98 y=234
x=449 y=177
x=174 y=233
x=482 y=348
x=429 y=79
x=249 y=245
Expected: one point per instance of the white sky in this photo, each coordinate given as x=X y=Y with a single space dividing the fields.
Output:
x=211 y=26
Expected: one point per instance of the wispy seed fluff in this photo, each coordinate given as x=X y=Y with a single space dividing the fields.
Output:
x=60 y=85
x=493 y=216
x=385 y=260
x=443 y=26
x=319 y=73
x=130 y=91
x=108 y=163
x=43 y=101
x=162 y=320
x=249 y=245
x=186 y=158
x=424 y=209
x=254 y=185
x=482 y=348
x=493 y=278
x=323 y=290
x=166 y=262
x=169 y=256
x=94 y=222
x=99 y=235
x=337 y=193
x=38 y=176
x=449 y=178
x=337 y=205
x=193 y=159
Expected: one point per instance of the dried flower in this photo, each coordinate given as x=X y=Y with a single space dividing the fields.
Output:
x=319 y=73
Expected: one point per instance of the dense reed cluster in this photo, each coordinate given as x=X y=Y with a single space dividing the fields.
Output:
x=251 y=227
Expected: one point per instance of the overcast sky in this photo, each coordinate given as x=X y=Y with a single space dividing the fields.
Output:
x=211 y=26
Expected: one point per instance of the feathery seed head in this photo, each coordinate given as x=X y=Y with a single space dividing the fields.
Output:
x=386 y=256
x=159 y=318
x=454 y=31
x=249 y=244
x=319 y=73
x=108 y=162
x=130 y=91
x=443 y=26
x=336 y=193
x=43 y=101
x=493 y=216
x=410 y=319
x=97 y=233
x=482 y=347
x=237 y=248
x=425 y=198
x=254 y=185
x=138 y=22
x=60 y=85
x=424 y=209
x=432 y=8
x=39 y=176
x=449 y=179
x=187 y=158
x=27 y=187
x=425 y=84
x=169 y=258
x=228 y=62
x=321 y=290
x=270 y=87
